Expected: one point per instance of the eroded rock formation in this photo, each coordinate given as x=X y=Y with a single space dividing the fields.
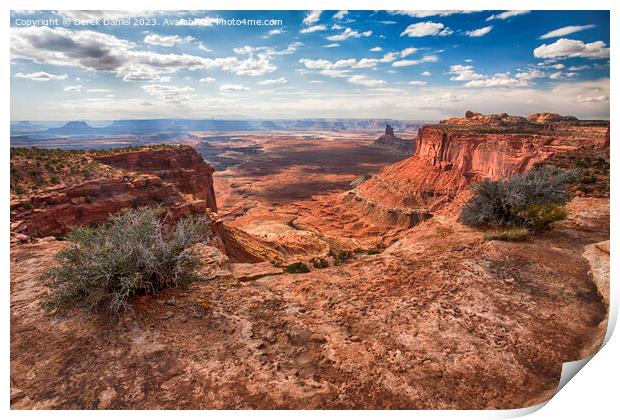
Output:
x=390 y=141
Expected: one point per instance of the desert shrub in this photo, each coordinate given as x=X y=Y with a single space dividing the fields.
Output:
x=134 y=253
x=538 y=217
x=297 y=268
x=504 y=203
x=319 y=262
x=511 y=235
x=341 y=257
x=588 y=179
x=373 y=251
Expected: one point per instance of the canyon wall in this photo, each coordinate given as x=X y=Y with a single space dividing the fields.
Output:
x=449 y=156
x=179 y=165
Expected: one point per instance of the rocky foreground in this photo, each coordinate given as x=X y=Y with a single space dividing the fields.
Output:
x=438 y=318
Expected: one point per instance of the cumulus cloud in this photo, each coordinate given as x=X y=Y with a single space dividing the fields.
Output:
x=425 y=59
x=274 y=32
x=349 y=33
x=314 y=28
x=340 y=14
x=207 y=80
x=507 y=15
x=166 y=40
x=98 y=90
x=101 y=52
x=407 y=51
x=566 y=30
x=232 y=88
x=417 y=83
x=360 y=79
x=420 y=29
x=332 y=45
x=463 y=73
x=479 y=32
x=571 y=48
x=77 y=88
x=312 y=17
x=430 y=13
x=41 y=76
x=376 y=49
x=590 y=99
x=426 y=73
x=278 y=81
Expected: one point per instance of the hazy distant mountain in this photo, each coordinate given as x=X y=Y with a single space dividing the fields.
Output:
x=72 y=128
x=170 y=126
x=26 y=127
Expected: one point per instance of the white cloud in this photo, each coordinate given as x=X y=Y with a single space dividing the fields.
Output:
x=274 y=32
x=566 y=30
x=314 y=28
x=479 y=32
x=349 y=33
x=77 y=88
x=359 y=79
x=332 y=45
x=166 y=40
x=389 y=57
x=429 y=13
x=336 y=27
x=98 y=90
x=405 y=63
x=168 y=93
x=340 y=14
x=41 y=76
x=278 y=81
x=407 y=51
x=232 y=88
x=417 y=83
x=421 y=29
x=571 y=48
x=366 y=63
x=590 y=99
x=376 y=49
x=207 y=80
x=335 y=73
x=463 y=73
x=312 y=17
x=426 y=73
x=508 y=14
x=203 y=47
x=497 y=80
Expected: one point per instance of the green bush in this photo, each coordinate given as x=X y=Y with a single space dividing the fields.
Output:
x=511 y=235
x=538 y=217
x=297 y=268
x=134 y=253
x=319 y=262
x=508 y=203
x=341 y=257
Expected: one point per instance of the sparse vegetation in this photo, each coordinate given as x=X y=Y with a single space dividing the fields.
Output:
x=297 y=268
x=374 y=251
x=532 y=200
x=341 y=257
x=511 y=235
x=135 y=253
x=319 y=262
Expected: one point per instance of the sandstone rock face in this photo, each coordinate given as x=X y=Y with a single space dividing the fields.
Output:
x=451 y=155
x=174 y=177
x=390 y=141
x=181 y=166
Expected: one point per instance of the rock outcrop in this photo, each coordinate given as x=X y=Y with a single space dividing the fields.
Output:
x=390 y=141
x=452 y=154
x=180 y=165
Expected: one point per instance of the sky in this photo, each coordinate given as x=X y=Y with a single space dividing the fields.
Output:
x=414 y=65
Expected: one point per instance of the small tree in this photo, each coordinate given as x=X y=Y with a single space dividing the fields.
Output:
x=134 y=253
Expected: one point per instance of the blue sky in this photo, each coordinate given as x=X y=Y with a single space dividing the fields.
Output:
x=330 y=64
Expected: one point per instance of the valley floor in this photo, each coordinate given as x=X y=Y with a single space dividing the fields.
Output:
x=440 y=319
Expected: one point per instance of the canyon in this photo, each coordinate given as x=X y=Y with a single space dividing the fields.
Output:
x=422 y=312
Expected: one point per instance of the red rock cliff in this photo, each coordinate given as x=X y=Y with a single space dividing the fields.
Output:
x=180 y=165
